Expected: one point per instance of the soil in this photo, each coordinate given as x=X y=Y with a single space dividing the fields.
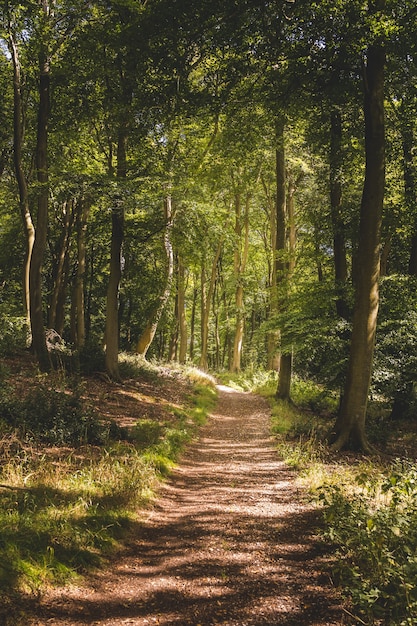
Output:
x=231 y=539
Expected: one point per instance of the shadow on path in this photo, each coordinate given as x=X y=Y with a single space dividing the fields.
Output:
x=230 y=541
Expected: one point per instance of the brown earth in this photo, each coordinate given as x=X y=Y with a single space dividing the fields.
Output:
x=230 y=540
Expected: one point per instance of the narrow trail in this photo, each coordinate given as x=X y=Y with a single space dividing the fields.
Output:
x=229 y=541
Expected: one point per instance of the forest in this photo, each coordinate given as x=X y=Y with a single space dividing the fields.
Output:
x=232 y=185
x=225 y=184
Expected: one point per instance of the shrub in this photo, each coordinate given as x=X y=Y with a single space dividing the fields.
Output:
x=51 y=416
x=13 y=333
x=374 y=525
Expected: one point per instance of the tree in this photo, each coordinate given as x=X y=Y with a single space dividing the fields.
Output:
x=350 y=424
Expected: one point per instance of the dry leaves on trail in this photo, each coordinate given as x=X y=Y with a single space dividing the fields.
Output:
x=229 y=541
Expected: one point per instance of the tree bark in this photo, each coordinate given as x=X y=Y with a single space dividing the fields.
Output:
x=350 y=425
x=60 y=264
x=182 y=320
x=339 y=243
x=281 y=269
x=112 y=301
x=18 y=133
x=148 y=334
x=83 y=210
x=206 y=298
x=192 y=321
x=241 y=257
x=35 y=274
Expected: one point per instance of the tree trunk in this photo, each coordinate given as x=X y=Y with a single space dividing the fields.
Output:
x=150 y=329
x=192 y=322
x=182 y=320
x=112 y=302
x=280 y=270
x=173 y=342
x=83 y=210
x=206 y=298
x=60 y=263
x=350 y=425
x=18 y=133
x=339 y=244
x=241 y=257
x=272 y=338
x=35 y=273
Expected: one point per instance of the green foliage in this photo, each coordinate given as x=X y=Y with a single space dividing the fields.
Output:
x=13 y=333
x=373 y=522
x=249 y=380
x=395 y=362
x=147 y=432
x=52 y=416
x=91 y=358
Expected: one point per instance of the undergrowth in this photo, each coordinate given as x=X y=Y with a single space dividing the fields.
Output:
x=71 y=486
x=369 y=511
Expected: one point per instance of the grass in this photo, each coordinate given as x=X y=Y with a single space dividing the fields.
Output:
x=65 y=508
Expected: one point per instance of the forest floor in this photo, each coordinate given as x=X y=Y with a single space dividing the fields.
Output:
x=231 y=539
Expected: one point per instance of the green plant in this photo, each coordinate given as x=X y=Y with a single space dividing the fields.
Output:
x=147 y=432
x=13 y=333
x=373 y=523
x=53 y=415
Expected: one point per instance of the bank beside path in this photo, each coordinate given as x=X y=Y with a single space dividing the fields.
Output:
x=230 y=540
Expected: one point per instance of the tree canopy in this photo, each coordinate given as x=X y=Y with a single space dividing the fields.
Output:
x=231 y=184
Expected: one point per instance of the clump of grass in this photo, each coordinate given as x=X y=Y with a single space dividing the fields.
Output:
x=247 y=380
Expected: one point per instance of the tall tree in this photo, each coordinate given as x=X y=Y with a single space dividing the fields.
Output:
x=350 y=425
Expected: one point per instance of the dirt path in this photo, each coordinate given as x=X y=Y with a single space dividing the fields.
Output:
x=228 y=542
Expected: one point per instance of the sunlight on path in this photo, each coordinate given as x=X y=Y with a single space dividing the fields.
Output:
x=228 y=542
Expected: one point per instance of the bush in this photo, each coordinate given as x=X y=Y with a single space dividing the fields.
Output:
x=13 y=333
x=91 y=359
x=51 y=416
x=374 y=524
x=147 y=432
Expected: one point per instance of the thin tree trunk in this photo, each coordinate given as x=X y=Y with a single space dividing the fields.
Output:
x=38 y=251
x=206 y=298
x=192 y=322
x=272 y=339
x=241 y=257
x=112 y=302
x=350 y=425
x=18 y=133
x=150 y=329
x=181 y=312
x=339 y=244
x=280 y=269
x=173 y=342
x=60 y=263
x=83 y=210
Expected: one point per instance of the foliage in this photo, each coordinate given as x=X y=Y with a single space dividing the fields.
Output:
x=369 y=517
x=373 y=522
x=52 y=416
x=13 y=333
x=395 y=354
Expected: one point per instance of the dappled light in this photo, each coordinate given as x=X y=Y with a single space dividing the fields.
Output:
x=229 y=541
